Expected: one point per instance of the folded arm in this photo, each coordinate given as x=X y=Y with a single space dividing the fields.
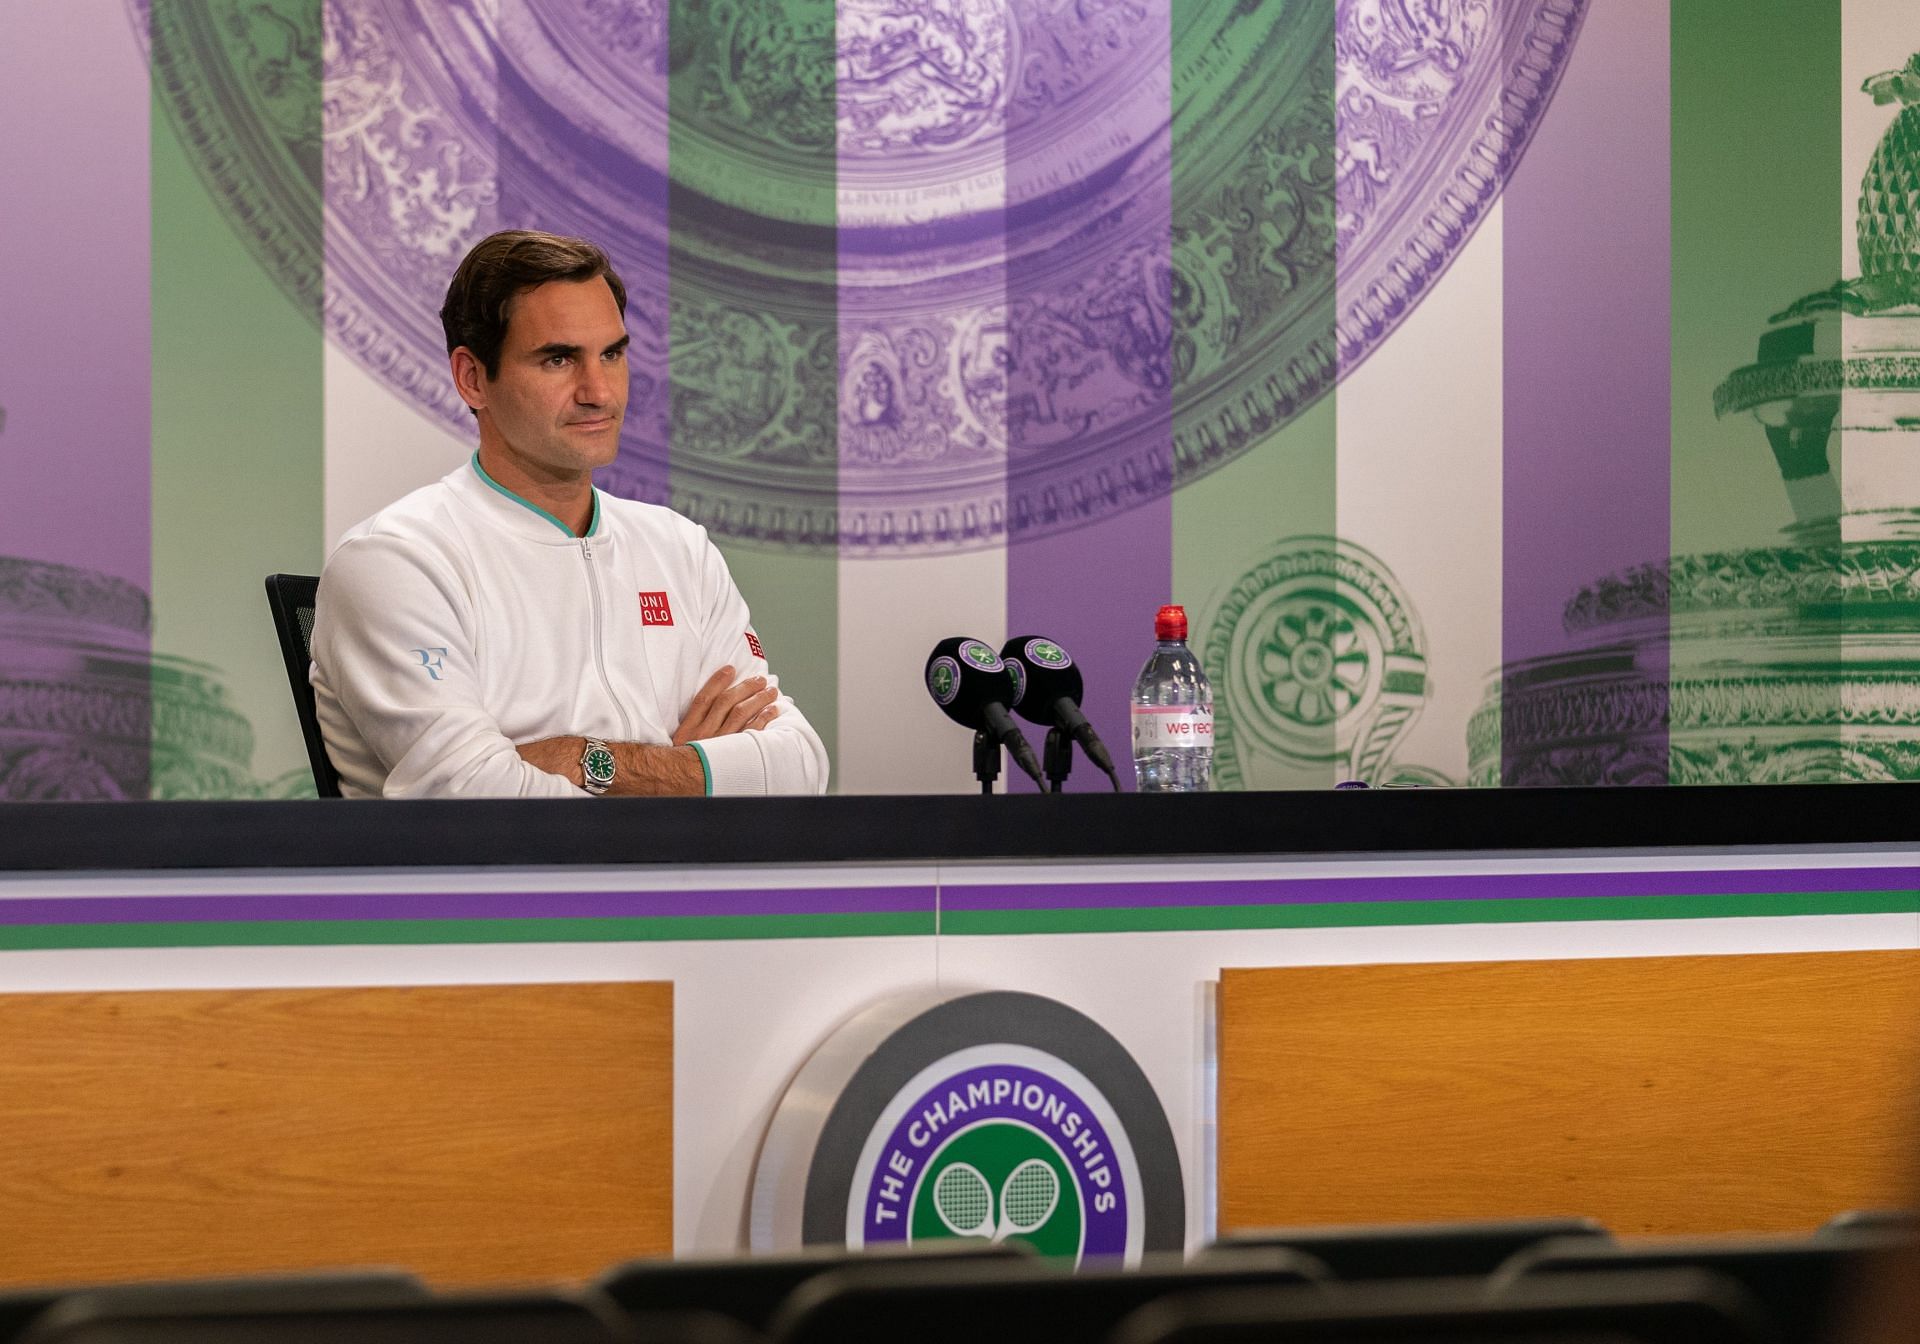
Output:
x=786 y=755
x=643 y=770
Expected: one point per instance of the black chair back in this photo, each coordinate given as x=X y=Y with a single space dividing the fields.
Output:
x=1417 y=1250
x=1797 y=1282
x=518 y=1318
x=1657 y=1307
x=292 y=599
x=1010 y=1302
x=751 y=1289
x=23 y=1307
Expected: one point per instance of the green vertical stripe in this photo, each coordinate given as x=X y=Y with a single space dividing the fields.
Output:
x=1237 y=68
x=754 y=330
x=237 y=402
x=1759 y=209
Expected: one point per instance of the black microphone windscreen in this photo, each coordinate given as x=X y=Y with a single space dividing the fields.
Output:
x=1044 y=673
x=964 y=676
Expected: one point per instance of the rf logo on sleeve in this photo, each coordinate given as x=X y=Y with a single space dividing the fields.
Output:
x=992 y=1117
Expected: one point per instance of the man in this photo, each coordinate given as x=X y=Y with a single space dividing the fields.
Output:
x=512 y=631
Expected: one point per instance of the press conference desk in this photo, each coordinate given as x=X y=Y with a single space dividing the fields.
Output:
x=773 y=921
x=1095 y=825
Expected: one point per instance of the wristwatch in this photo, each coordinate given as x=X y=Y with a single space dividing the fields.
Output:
x=596 y=767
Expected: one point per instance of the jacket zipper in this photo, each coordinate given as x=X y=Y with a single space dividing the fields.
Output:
x=599 y=640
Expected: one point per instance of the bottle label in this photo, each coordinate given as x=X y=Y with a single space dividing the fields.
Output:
x=1156 y=727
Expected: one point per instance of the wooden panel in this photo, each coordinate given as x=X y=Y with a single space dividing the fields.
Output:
x=1659 y=1094
x=471 y=1133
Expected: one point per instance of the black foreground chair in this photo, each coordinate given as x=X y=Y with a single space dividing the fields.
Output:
x=1651 y=1307
x=1417 y=1250
x=22 y=1308
x=291 y=596
x=1797 y=1282
x=751 y=1289
x=512 y=1318
x=1012 y=1301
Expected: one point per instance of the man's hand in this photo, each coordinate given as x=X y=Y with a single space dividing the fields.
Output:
x=557 y=756
x=721 y=707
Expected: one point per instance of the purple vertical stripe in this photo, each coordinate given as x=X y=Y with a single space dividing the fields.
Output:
x=75 y=325
x=76 y=397
x=572 y=164
x=1587 y=355
x=1089 y=401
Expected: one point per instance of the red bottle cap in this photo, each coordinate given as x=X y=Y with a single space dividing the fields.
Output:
x=1170 y=623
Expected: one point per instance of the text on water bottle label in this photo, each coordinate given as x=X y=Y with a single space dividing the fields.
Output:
x=1157 y=726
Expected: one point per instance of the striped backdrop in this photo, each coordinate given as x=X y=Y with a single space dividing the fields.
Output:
x=1415 y=347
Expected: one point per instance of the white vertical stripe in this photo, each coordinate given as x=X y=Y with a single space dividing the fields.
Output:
x=378 y=447
x=895 y=605
x=1419 y=448
x=1875 y=36
x=893 y=738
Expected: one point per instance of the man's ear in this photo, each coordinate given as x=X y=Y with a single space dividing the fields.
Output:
x=469 y=378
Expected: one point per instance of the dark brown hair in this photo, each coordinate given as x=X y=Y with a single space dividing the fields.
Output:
x=504 y=265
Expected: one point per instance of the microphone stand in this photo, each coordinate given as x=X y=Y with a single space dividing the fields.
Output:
x=1059 y=757
x=986 y=761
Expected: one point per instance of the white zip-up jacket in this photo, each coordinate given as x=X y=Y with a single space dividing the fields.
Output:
x=464 y=619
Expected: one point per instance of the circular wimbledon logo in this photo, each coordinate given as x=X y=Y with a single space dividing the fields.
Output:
x=999 y=1143
x=993 y=1117
x=980 y=655
x=1018 y=671
x=943 y=679
x=1046 y=653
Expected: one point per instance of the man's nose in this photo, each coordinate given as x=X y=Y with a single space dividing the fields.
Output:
x=594 y=387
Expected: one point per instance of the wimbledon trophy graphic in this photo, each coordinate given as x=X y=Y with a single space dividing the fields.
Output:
x=87 y=714
x=1794 y=662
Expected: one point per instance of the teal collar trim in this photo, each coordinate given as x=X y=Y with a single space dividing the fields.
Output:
x=593 y=523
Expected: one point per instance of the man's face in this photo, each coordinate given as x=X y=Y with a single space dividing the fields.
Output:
x=556 y=405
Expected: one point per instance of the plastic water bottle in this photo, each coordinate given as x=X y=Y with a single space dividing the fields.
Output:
x=1172 y=713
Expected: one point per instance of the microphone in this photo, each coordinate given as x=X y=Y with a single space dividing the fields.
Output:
x=972 y=686
x=1049 y=690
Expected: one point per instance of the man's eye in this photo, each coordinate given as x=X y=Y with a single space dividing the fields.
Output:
x=556 y=361
x=614 y=356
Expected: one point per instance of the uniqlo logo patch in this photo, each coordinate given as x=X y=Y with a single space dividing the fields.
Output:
x=654 y=609
x=753 y=642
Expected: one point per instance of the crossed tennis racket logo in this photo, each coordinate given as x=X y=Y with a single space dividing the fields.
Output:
x=1026 y=1199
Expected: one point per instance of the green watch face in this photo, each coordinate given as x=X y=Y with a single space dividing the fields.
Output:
x=598 y=765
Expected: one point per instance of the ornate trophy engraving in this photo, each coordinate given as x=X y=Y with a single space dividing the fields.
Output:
x=1320 y=660
x=817 y=209
x=1794 y=662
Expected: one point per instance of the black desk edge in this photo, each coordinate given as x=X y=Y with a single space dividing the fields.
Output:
x=78 y=837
